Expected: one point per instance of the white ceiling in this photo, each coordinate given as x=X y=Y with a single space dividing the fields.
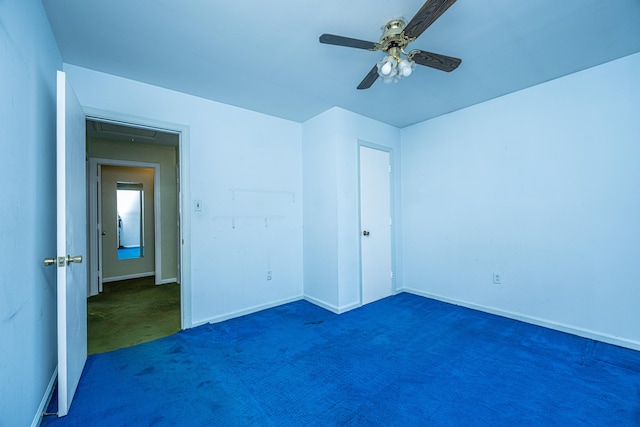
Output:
x=265 y=55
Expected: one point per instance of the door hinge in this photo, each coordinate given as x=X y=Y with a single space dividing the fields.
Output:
x=392 y=274
x=389 y=168
x=390 y=221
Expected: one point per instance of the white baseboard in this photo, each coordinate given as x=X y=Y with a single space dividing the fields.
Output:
x=128 y=276
x=46 y=398
x=255 y=309
x=585 y=333
x=244 y=312
x=165 y=281
x=331 y=307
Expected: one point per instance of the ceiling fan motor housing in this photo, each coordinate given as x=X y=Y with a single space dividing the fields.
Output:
x=393 y=36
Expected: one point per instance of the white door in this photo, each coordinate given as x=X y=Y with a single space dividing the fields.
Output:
x=375 y=220
x=71 y=243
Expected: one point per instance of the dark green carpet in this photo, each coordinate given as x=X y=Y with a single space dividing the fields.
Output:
x=131 y=312
x=401 y=361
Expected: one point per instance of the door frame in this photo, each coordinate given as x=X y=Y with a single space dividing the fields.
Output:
x=394 y=217
x=95 y=221
x=184 y=194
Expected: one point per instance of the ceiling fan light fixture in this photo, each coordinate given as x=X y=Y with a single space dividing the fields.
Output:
x=405 y=67
x=392 y=69
x=388 y=69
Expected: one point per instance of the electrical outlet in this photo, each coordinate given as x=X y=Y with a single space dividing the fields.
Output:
x=269 y=275
x=497 y=278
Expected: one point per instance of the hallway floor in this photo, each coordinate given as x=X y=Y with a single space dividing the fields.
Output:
x=131 y=312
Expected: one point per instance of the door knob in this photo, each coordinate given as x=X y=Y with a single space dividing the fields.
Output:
x=104 y=233
x=77 y=259
x=60 y=261
x=365 y=233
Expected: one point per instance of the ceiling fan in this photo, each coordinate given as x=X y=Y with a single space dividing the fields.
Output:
x=396 y=37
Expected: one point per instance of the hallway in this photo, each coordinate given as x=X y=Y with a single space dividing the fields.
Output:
x=131 y=312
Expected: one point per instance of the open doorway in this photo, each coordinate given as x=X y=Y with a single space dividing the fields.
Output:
x=129 y=208
x=134 y=231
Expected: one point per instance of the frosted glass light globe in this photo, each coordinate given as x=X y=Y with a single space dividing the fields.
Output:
x=386 y=68
x=405 y=68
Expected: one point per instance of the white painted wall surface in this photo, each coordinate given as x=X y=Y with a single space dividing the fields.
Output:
x=542 y=186
x=29 y=59
x=331 y=215
x=245 y=169
x=320 y=213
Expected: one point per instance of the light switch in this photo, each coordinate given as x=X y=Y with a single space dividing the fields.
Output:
x=497 y=278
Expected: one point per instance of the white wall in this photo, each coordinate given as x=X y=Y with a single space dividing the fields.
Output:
x=542 y=186
x=331 y=212
x=29 y=59
x=245 y=168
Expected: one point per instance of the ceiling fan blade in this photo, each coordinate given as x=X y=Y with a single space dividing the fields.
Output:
x=369 y=79
x=426 y=16
x=437 y=61
x=348 y=42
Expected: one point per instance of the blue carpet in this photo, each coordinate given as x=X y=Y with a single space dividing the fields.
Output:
x=404 y=360
x=129 y=253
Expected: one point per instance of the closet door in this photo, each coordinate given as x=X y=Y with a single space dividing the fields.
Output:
x=375 y=221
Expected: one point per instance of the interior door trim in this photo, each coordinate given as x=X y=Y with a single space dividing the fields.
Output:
x=184 y=194
x=95 y=236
